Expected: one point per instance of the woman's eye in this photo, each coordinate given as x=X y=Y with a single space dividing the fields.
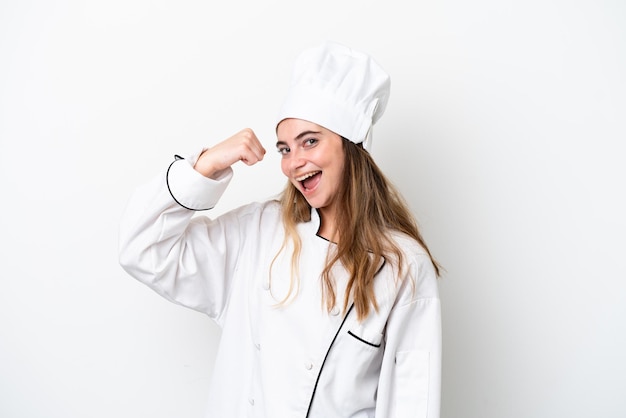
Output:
x=309 y=142
x=283 y=150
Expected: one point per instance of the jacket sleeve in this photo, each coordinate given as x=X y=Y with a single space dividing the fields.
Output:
x=410 y=383
x=183 y=258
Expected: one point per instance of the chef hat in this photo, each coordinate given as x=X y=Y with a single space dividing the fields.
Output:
x=338 y=88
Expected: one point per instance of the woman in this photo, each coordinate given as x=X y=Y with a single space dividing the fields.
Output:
x=327 y=298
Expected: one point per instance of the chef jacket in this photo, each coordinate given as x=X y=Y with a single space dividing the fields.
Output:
x=290 y=359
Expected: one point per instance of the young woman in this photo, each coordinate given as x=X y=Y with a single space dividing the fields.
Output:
x=327 y=298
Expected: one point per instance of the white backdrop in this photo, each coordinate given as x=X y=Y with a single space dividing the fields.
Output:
x=505 y=130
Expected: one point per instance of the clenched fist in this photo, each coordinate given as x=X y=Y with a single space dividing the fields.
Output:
x=243 y=146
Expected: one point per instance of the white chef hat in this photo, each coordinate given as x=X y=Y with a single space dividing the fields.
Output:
x=338 y=88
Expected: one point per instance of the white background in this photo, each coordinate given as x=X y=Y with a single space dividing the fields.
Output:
x=505 y=131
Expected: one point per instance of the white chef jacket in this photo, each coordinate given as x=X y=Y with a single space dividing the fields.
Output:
x=294 y=359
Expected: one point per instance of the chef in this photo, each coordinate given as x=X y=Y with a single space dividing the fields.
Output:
x=326 y=296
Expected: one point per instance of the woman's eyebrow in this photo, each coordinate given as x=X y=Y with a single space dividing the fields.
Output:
x=305 y=133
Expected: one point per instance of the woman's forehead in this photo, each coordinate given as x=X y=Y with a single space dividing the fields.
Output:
x=291 y=129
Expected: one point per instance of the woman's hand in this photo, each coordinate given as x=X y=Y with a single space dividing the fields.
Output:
x=243 y=146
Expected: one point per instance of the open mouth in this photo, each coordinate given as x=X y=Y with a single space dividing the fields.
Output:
x=310 y=180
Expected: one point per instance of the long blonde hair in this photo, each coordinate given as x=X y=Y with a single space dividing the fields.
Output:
x=369 y=209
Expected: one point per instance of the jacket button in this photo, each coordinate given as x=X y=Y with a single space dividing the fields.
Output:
x=251 y=400
x=308 y=366
x=334 y=311
x=257 y=345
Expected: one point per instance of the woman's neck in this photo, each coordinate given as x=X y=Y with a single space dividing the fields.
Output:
x=328 y=226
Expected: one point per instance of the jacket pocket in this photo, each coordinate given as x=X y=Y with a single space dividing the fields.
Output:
x=348 y=382
x=367 y=337
x=411 y=381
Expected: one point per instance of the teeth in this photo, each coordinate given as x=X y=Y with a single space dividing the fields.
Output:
x=306 y=176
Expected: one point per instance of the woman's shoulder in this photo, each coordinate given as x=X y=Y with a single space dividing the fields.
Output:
x=408 y=245
x=418 y=265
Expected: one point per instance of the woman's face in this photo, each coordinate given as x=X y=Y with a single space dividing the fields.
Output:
x=313 y=160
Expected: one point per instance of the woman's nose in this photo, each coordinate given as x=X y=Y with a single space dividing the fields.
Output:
x=296 y=161
x=292 y=164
